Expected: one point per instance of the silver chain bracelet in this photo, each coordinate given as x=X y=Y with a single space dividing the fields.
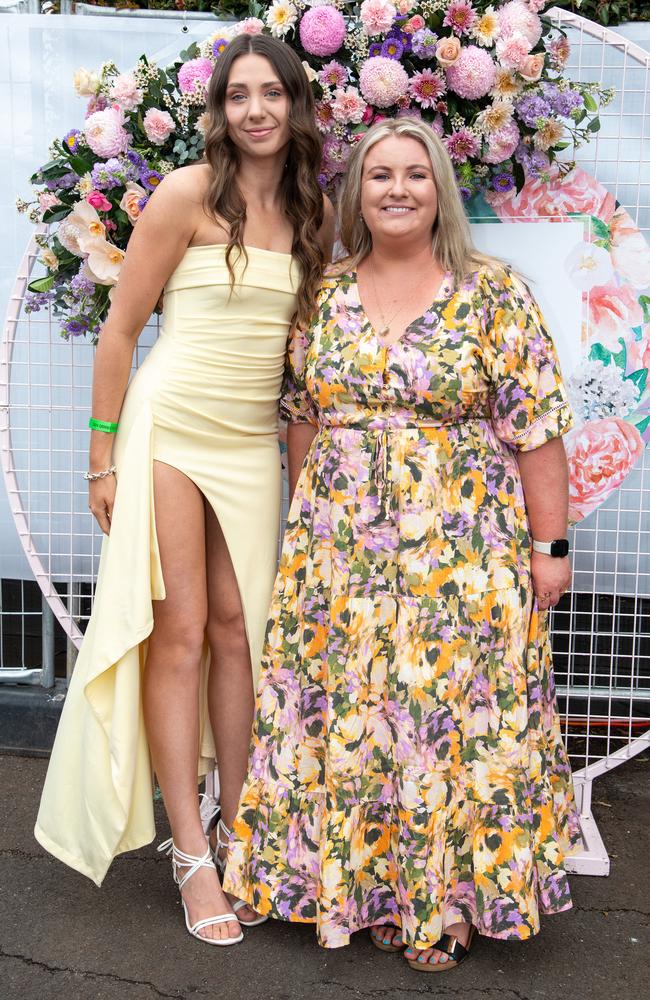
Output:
x=92 y=476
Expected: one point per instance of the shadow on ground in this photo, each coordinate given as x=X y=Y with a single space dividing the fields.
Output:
x=61 y=938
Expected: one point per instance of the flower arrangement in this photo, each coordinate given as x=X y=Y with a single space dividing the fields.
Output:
x=487 y=77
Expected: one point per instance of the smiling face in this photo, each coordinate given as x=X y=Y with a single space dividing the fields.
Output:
x=257 y=107
x=398 y=192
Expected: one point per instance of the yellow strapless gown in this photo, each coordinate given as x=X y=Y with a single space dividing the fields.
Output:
x=206 y=402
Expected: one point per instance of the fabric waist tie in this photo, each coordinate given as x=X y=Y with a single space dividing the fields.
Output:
x=379 y=465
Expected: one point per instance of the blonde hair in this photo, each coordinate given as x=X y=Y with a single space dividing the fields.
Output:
x=451 y=240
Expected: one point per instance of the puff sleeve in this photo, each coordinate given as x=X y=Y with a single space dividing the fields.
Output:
x=296 y=405
x=528 y=401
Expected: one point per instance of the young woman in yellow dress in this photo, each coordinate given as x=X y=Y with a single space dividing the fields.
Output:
x=188 y=490
x=407 y=771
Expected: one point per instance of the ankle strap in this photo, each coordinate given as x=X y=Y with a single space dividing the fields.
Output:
x=223 y=829
x=182 y=860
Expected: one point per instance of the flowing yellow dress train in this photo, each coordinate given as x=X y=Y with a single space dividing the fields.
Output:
x=205 y=401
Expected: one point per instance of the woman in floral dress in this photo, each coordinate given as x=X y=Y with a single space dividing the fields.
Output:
x=407 y=772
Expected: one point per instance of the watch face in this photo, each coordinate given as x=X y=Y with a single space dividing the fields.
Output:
x=560 y=548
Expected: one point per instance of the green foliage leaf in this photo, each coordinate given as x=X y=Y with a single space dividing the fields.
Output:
x=56 y=213
x=80 y=165
x=594 y=125
x=41 y=284
x=590 y=103
x=643 y=425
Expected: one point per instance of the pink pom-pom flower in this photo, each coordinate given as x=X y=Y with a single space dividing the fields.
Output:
x=322 y=30
x=382 y=81
x=192 y=73
x=473 y=74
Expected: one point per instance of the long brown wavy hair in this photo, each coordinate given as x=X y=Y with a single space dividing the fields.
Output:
x=302 y=197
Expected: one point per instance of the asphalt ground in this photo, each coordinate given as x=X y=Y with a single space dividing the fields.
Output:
x=62 y=938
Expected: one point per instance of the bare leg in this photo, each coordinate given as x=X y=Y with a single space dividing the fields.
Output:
x=231 y=698
x=171 y=681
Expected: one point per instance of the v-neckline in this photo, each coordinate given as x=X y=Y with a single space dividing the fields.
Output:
x=443 y=291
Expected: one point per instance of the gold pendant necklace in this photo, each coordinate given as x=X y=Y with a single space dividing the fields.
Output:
x=385 y=329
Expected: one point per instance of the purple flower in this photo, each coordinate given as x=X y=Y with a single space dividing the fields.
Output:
x=503 y=182
x=134 y=158
x=534 y=161
x=530 y=108
x=70 y=140
x=110 y=174
x=35 y=301
x=392 y=48
x=142 y=202
x=75 y=327
x=219 y=47
x=424 y=43
x=81 y=286
x=62 y=183
x=149 y=177
x=465 y=193
x=563 y=102
x=374 y=49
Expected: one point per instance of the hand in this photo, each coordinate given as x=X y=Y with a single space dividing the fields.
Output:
x=551 y=578
x=101 y=497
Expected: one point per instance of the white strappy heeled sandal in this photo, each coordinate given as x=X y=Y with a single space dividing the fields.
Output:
x=193 y=864
x=239 y=904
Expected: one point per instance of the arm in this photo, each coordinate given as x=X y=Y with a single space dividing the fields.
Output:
x=157 y=244
x=545 y=479
x=299 y=439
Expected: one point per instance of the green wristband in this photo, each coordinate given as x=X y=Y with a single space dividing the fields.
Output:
x=102 y=425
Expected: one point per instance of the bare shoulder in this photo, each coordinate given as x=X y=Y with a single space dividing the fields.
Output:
x=186 y=184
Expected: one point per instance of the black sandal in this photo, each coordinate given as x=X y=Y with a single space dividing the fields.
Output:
x=387 y=947
x=450 y=946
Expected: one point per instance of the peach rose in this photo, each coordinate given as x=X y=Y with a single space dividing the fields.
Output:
x=630 y=252
x=600 y=454
x=613 y=311
x=130 y=198
x=577 y=191
x=447 y=51
x=532 y=66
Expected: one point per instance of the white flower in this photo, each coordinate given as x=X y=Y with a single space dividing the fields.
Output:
x=83 y=224
x=104 y=261
x=310 y=73
x=281 y=17
x=486 y=28
x=85 y=185
x=597 y=390
x=50 y=259
x=85 y=82
x=589 y=265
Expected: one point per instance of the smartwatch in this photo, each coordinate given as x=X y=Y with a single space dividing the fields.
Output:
x=558 y=548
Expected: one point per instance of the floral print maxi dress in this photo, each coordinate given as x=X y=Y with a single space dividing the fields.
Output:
x=407 y=766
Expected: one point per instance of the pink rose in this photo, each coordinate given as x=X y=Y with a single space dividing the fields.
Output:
x=415 y=23
x=99 y=201
x=532 y=66
x=105 y=132
x=447 y=51
x=576 y=192
x=158 y=125
x=600 y=454
x=613 y=311
x=130 y=201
